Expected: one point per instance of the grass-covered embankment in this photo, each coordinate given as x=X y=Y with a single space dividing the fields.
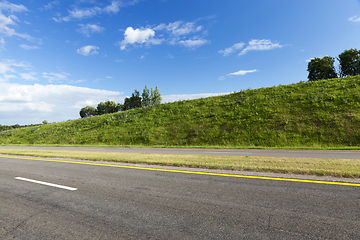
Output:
x=305 y=114
x=349 y=168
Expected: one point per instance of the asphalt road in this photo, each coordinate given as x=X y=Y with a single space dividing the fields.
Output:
x=123 y=203
x=229 y=152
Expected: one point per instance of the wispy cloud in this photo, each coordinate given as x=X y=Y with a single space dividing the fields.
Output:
x=52 y=76
x=354 y=19
x=6 y=77
x=253 y=45
x=242 y=72
x=192 y=43
x=27 y=47
x=114 y=7
x=10 y=66
x=5 y=5
x=87 y=50
x=11 y=69
x=9 y=20
x=178 y=32
x=88 y=29
x=29 y=76
x=179 y=28
x=77 y=81
x=233 y=48
x=50 y=5
x=260 y=45
x=2 y=44
x=82 y=13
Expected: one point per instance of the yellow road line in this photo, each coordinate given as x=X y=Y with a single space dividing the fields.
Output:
x=192 y=172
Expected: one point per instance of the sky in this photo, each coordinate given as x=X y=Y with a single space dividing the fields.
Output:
x=59 y=56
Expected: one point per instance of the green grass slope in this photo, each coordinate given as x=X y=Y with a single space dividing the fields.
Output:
x=322 y=113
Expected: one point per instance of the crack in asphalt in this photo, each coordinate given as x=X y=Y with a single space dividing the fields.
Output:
x=14 y=228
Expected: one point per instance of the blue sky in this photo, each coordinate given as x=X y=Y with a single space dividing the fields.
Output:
x=59 y=56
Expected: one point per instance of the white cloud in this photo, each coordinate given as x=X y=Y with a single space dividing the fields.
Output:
x=7 y=21
x=79 y=14
x=233 y=48
x=179 y=28
x=4 y=22
x=87 y=50
x=253 y=45
x=26 y=104
x=51 y=77
x=136 y=36
x=178 y=32
x=175 y=33
x=51 y=5
x=77 y=81
x=5 y=5
x=154 y=41
x=10 y=66
x=178 y=97
x=2 y=43
x=89 y=29
x=27 y=47
x=354 y=19
x=114 y=7
x=28 y=76
x=192 y=43
x=6 y=67
x=6 y=77
x=242 y=72
x=260 y=45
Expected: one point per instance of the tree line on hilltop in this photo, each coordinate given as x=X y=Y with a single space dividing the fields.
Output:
x=147 y=98
x=323 y=68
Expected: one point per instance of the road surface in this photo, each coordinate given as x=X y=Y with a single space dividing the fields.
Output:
x=118 y=202
x=229 y=152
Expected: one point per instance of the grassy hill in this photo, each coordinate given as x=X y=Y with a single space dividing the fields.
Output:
x=322 y=113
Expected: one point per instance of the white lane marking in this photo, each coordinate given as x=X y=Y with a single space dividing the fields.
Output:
x=45 y=183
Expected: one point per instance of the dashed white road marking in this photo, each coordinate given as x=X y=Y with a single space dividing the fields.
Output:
x=45 y=183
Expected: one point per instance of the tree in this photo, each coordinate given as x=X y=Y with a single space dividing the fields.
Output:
x=126 y=105
x=133 y=102
x=349 y=62
x=145 y=97
x=155 y=97
x=136 y=99
x=321 y=68
x=107 y=107
x=87 y=111
x=45 y=122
